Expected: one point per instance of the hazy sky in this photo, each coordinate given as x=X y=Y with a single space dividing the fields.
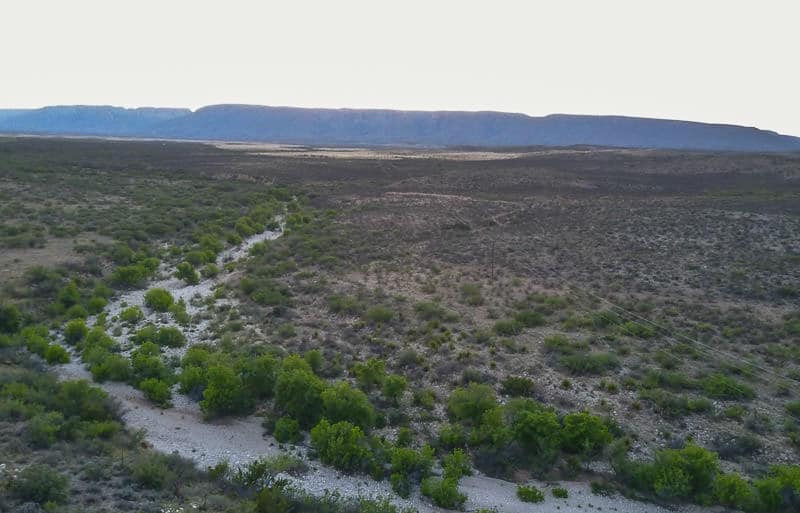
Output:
x=722 y=61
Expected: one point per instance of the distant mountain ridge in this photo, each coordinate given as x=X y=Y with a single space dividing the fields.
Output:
x=253 y=123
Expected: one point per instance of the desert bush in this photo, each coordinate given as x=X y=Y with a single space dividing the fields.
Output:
x=341 y=445
x=158 y=299
x=369 y=374
x=538 y=433
x=530 y=494
x=456 y=464
x=10 y=318
x=517 y=386
x=40 y=484
x=224 y=393
x=394 y=386
x=471 y=294
x=673 y=405
x=75 y=331
x=508 y=327
x=408 y=467
x=731 y=490
x=560 y=493
x=152 y=471
x=287 y=430
x=719 y=386
x=129 y=275
x=95 y=305
x=636 y=329
x=341 y=304
x=779 y=491
x=529 y=318
x=259 y=375
x=113 y=367
x=582 y=363
x=157 y=391
x=43 y=429
x=298 y=394
x=131 y=315
x=185 y=271
x=469 y=404
x=444 y=493
x=343 y=403
x=584 y=433
x=56 y=354
x=378 y=315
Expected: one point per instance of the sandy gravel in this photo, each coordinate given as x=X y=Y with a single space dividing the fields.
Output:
x=181 y=429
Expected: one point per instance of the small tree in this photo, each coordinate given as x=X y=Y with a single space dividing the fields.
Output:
x=341 y=445
x=469 y=404
x=584 y=433
x=298 y=393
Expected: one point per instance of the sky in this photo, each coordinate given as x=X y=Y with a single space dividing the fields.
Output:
x=726 y=61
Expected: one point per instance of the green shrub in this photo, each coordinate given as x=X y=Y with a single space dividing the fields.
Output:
x=157 y=391
x=583 y=363
x=469 y=404
x=224 y=394
x=259 y=375
x=95 y=305
x=287 y=430
x=56 y=354
x=10 y=318
x=394 y=386
x=530 y=494
x=131 y=315
x=793 y=408
x=471 y=294
x=369 y=374
x=113 y=367
x=129 y=275
x=779 y=491
x=298 y=394
x=151 y=471
x=158 y=299
x=636 y=329
x=378 y=315
x=560 y=493
x=40 y=484
x=343 y=403
x=192 y=380
x=529 y=318
x=719 y=386
x=409 y=466
x=731 y=490
x=185 y=271
x=538 y=433
x=444 y=493
x=508 y=327
x=169 y=336
x=584 y=433
x=456 y=464
x=341 y=445
x=516 y=386
x=75 y=331
x=340 y=304
x=43 y=429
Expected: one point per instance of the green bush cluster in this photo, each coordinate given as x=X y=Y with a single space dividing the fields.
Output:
x=530 y=494
x=158 y=299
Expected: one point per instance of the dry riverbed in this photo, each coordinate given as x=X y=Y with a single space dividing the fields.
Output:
x=182 y=430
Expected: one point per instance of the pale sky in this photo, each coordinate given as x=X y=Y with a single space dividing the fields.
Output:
x=727 y=61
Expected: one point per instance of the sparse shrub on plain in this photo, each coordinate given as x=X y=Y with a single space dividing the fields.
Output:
x=444 y=493
x=10 y=318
